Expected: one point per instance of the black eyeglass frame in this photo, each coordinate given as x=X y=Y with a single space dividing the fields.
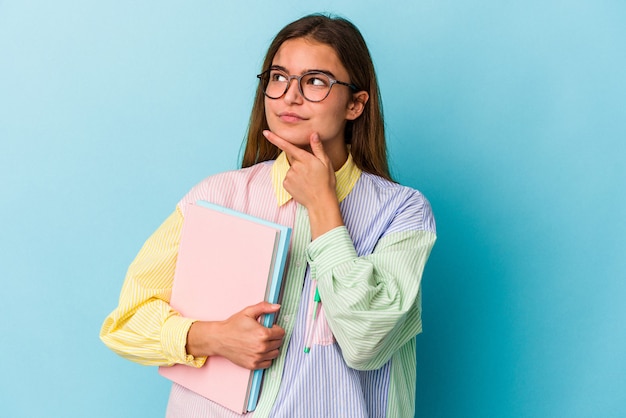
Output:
x=298 y=78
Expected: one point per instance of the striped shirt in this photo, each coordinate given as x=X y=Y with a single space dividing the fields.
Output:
x=368 y=273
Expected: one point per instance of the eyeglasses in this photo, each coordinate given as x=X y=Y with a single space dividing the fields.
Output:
x=314 y=86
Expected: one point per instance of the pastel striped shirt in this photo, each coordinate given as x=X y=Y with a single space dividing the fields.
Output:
x=368 y=272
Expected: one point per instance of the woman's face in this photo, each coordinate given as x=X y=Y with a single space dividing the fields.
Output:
x=294 y=118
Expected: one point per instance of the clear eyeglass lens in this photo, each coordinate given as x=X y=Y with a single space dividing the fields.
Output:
x=314 y=86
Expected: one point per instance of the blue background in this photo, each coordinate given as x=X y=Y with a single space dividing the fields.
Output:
x=509 y=115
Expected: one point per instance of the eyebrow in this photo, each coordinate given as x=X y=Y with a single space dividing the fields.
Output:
x=281 y=68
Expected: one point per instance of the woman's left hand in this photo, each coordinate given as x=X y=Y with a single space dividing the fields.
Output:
x=311 y=177
x=311 y=182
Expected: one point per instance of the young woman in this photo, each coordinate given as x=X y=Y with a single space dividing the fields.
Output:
x=315 y=160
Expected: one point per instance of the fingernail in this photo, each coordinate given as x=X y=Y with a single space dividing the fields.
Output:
x=266 y=133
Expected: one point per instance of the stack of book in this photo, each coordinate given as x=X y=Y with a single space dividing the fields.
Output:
x=227 y=261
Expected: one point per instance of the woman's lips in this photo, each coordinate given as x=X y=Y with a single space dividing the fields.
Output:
x=290 y=117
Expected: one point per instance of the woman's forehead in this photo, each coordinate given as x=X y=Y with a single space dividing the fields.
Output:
x=300 y=55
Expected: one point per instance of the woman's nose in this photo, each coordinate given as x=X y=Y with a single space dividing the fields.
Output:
x=292 y=95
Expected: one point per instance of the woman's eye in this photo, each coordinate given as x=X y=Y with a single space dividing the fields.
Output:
x=280 y=77
x=317 y=81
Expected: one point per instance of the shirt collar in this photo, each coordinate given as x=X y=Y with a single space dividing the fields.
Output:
x=346 y=178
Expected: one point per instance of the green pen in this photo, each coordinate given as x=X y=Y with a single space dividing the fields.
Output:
x=309 y=339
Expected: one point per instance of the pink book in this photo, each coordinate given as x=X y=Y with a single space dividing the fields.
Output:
x=226 y=262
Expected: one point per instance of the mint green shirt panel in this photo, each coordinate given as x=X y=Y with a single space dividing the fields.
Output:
x=290 y=302
x=372 y=302
x=401 y=395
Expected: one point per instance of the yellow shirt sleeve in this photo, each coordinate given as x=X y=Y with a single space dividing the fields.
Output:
x=144 y=328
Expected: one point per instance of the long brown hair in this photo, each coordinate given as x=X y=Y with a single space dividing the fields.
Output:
x=366 y=134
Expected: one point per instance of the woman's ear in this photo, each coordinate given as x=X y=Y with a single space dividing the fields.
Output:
x=357 y=105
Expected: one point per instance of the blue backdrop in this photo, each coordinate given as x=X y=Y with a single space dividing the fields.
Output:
x=509 y=115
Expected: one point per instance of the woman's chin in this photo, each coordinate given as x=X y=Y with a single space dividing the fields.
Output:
x=294 y=136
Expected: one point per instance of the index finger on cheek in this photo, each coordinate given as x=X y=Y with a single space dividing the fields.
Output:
x=290 y=149
x=275 y=139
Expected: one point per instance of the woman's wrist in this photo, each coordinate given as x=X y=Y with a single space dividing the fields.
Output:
x=201 y=339
x=324 y=217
